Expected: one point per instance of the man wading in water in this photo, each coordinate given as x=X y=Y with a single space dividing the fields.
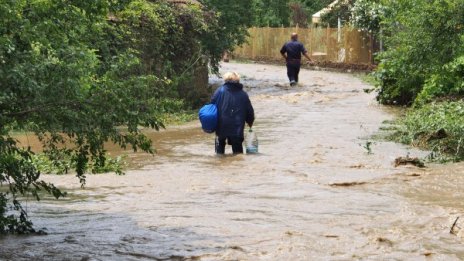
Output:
x=292 y=51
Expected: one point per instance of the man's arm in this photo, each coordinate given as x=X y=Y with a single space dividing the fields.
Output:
x=305 y=53
x=283 y=50
x=307 y=56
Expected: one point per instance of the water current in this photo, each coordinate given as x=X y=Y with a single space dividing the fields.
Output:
x=316 y=190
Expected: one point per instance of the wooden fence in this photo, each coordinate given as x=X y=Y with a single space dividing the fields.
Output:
x=346 y=45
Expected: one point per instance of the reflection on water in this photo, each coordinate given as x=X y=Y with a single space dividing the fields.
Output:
x=313 y=193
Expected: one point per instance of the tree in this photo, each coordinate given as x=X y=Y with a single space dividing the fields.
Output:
x=273 y=13
x=299 y=16
x=82 y=73
x=56 y=84
x=421 y=37
x=313 y=6
x=233 y=20
x=367 y=15
x=341 y=10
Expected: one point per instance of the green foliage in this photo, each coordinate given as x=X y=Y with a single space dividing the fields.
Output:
x=368 y=78
x=447 y=83
x=173 y=41
x=55 y=81
x=399 y=79
x=368 y=147
x=367 y=15
x=299 y=16
x=438 y=127
x=342 y=10
x=64 y=164
x=82 y=73
x=273 y=13
x=180 y=117
x=424 y=63
x=422 y=36
x=18 y=173
x=173 y=112
x=313 y=6
x=9 y=223
x=228 y=29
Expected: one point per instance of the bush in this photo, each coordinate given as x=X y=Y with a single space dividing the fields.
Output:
x=448 y=83
x=421 y=36
x=367 y=15
x=438 y=127
x=63 y=164
x=80 y=74
x=399 y=82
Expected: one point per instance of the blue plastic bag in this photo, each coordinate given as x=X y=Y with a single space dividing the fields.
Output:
x=208 y=116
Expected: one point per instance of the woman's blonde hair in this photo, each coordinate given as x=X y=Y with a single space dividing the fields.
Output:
x=231 y=77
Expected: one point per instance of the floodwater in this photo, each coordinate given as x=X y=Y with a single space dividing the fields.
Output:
x=316 y=190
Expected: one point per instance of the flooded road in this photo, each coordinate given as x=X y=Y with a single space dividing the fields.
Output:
x=320 y=189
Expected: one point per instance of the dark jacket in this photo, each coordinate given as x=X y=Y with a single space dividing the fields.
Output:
x=234 y=109
x=294 y=49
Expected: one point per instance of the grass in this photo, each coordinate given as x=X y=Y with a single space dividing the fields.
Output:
x=178 y=118
x=438 y=127
x=368 y=78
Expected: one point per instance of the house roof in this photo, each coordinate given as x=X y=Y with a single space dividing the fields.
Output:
x=316 y=18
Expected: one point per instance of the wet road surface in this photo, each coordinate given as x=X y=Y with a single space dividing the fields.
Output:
x=316 y=190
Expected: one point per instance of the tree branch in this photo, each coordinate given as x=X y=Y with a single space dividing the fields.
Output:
x=41 y=108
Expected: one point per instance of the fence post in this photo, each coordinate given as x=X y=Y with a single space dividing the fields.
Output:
x=345 y=45
x=311 y=36
x=327 y=35
x=282 y=34
x=266 y=42
x=253 y=49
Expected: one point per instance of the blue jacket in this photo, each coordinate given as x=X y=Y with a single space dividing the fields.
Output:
x=234 y=109
x=294 y=49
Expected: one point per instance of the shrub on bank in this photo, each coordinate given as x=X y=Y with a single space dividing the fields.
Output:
x=448 y=83
x=420 y=37
x=423 y=66
x=438 y=127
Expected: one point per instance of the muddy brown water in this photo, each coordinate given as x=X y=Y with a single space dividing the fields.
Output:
x=312 y=193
